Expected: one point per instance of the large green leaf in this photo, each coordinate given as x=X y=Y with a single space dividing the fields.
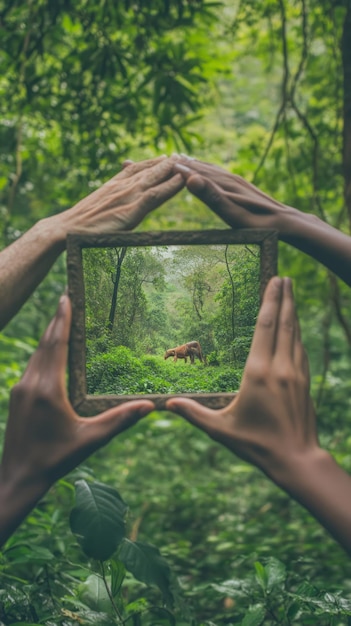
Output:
x=98 y=519
x=254 y=616
x=145 y=562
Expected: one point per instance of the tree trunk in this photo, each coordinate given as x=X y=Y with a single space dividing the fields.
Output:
x=346 y=62
x=116 y=280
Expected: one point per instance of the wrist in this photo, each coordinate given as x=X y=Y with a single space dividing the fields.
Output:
x=52 y=231
x=295 y=227
x=293 y=472
x=21 y=484
x=17 y=498
x=291 y=222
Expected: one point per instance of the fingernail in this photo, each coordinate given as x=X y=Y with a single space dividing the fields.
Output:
x=276 y=282
x=183 y=168
x=186 y=156
x=288 y=283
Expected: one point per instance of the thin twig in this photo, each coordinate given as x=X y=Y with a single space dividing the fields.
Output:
x=285 y=97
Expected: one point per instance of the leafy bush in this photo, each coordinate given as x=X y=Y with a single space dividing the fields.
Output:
x=212 y=358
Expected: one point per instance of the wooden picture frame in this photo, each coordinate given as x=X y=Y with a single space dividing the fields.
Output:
x=86 y=404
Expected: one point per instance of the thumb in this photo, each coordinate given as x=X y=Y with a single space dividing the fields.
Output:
x=192 y=411
x=114 y=421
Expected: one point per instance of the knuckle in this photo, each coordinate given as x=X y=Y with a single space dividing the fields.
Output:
x=40 y=395
x=258 y=372
x=20 y=391
x=265 y=321
x=287 y=325
x=285 y=375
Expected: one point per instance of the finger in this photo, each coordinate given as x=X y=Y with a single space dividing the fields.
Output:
x=301 y=361
x=154 y=197
x=158 y=173
x=249 y=196
x=208 y=191
x=114 y=421
x=193 y=412
x=286 y=331
x=263 y=342
x=50 y=358
x=135 y=168
x=227 y=180
x=126 y=163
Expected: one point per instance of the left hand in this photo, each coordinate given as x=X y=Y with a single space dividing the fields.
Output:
x=123 y=202
x=45 y=438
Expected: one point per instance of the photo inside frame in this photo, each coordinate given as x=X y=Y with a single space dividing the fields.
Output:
x=169 y=319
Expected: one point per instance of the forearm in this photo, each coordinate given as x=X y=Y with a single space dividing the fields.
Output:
x=324 y=489
x=316 y=238
x=26 y=262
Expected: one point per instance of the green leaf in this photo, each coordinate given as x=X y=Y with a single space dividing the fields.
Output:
x=98 y=519
x=118 y=572
x=233 y=588
x=261 y=575
x=276 y=573
x=254 y=616
x=146 y=563
x=94 y=595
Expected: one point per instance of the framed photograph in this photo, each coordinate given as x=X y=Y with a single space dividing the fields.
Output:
x=158 y=314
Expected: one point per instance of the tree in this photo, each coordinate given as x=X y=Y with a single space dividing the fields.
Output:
x=82 y=84
x=120 y=254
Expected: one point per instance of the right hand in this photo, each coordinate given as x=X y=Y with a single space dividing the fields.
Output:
x=271 y=421
x=239 y=203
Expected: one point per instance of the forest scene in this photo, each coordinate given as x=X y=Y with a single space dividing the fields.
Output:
x=163 y=525
x=141 y=302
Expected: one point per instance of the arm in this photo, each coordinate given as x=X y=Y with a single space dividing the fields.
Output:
x=120 y=204
x=242 y=205
x=271 y=422
x=44 y=437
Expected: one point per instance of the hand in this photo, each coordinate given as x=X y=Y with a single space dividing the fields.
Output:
x=271 y=421
x=237 y=202
x=123 y=202
x=120 y=204
x=45 y=438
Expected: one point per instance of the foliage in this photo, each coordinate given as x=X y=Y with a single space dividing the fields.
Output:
x=120 y=372
x=83 y=85
x=151 y=299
